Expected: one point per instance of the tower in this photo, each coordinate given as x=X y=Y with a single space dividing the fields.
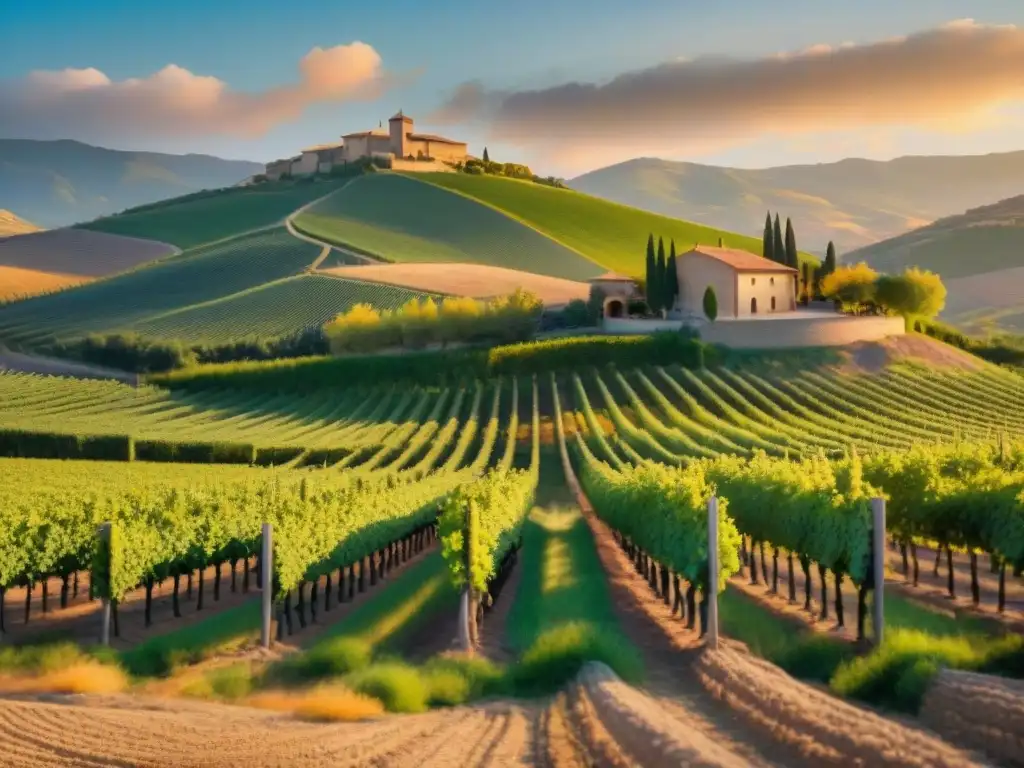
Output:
x=398 y=127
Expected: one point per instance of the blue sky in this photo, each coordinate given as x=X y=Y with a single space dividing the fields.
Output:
x=530 y=44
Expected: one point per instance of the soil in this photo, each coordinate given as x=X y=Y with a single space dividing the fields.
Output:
x=874 y=356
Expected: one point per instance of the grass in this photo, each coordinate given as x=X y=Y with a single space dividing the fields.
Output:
x=610 y=234
x=272 y=309
x=562 y=616
x=192 y=222
x=401 y=219
x=918 y=643
x=193 y=277
x=223 y=631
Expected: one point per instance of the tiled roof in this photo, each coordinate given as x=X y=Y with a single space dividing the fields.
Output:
x=432 y=137
x=741 y=261
x=399 y=116
x=611 y=277
x=321 y=147
x=361 y=134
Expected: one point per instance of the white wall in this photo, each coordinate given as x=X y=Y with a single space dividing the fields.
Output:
x=764 y=286
x=696 y=272
x=783 y=333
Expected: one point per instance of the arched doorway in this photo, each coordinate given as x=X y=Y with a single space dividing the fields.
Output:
x=614 y=308
x=773 y=303
x=753 y=306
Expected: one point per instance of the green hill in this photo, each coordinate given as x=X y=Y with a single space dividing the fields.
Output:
x=207 y=216
x=610 y=234
x=192 y=277
x=402 y=219
x=272 y=310
x=853 y=202
x=980 y=256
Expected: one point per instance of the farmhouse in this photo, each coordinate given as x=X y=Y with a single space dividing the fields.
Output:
x=744 y=283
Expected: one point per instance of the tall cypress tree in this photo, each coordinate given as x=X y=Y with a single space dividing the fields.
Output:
x=652 y=278
x=830 y=259
x=769 y=237
x=778 y=245
x=792 y=260
x=487 y=156
x=661 y=270
x=672 y=277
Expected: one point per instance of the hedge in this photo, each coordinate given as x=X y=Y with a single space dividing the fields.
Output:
x=25 y=444
x=321 y=456
x=266 y=457
x=195 y=452
x=440 y=367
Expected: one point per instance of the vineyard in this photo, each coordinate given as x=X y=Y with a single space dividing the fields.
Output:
x=401 y=219
x=379 y=495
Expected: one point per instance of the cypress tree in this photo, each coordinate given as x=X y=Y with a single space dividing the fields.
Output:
x=792 y=260
x=662 y=272
x=672 y=278
x=651 y=268
x=778 y=245
x=830 y=260
x=768 y=240
x=487 y=157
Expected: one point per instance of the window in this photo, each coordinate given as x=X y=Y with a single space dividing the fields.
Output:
x=771 y=281
x=773 y=303
x=753 y=306
x=753 y=280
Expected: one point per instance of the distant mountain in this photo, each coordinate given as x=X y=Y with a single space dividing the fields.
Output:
x=14 y=225
x=55 y=183
x=853 y=202
x=980 y=256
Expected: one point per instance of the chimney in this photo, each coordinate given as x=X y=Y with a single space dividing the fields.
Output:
x=721 y=244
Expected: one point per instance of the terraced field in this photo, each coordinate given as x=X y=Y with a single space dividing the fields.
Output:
x=193 y=277
x=194 y=221
x=275 y=309
x=610 y=234
x=401 y=219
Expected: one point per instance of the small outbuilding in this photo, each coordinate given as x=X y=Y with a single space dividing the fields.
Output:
x=745 y=284
x=618 y=290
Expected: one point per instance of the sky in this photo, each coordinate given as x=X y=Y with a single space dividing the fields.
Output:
x=566 y=86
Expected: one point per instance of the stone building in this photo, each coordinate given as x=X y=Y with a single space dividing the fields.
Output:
x=745 y=284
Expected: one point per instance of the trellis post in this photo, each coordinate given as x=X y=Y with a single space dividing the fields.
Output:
x=104 y=537
x=266 y=576
x=878 y=567
x=712 y=591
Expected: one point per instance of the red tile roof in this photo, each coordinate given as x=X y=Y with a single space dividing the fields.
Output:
x=611 y=277
x=432 y=137
x=361 y=134
x=741 y=261
x=399 y=116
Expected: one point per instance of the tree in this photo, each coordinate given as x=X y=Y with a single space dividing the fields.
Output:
x=487 y=157
x=807 y=272
x=595 y=304
x=853 y=286
x=792 y=259
x=651 y=276
x=915 y=293
x=710 y=304
x=768 y=240
x=662 y=289
x=778 y=246
x=830 y=260
x=672 y=276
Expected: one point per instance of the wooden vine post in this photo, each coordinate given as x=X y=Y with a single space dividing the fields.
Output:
x=104 y=547
x=878 y=567
x=712 y=590
x=267 y=583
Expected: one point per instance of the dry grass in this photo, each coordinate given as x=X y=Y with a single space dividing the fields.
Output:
x=81 y=677
x=326 y=703
x=476 y=280
x=20 y=283
x=11 y=224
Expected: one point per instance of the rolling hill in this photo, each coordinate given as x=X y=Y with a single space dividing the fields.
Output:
x=980 y=256
x=853 y=202
x=56 y=183
x=242 y=276
x=11 y=224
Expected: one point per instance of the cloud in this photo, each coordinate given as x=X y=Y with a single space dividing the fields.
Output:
x=87 y=104
x=949 y=77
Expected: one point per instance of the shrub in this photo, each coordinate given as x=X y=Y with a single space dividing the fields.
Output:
x=850 y=285
x=915 y=292
x=330 y=658
x=195 y=452
x=710 y=304
x=576 y=314
x=398 y=686
x=107 y=448
x=558 y=654
x=321 y=456
x=266 y=457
